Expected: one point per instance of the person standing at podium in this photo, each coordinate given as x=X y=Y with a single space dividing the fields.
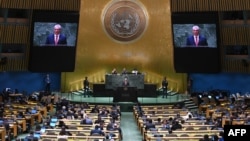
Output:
x=164 y=87
x=125 y=82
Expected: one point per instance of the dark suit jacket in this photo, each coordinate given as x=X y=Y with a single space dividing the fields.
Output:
x=96 y=131
x=31 y=138
x=149 y=125
x=85 y=84
x=164 y=84
x=51 y=40
x=191 y=42
x=125 y=84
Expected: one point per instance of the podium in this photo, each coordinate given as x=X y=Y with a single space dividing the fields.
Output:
x=125 y=94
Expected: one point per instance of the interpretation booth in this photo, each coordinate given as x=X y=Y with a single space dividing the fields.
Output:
x=113 y=88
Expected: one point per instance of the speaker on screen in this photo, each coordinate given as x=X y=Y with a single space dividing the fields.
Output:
x=196 y=42
x=53 y=41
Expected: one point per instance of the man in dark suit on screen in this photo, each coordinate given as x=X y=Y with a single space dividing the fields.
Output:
x=56 y=39
x=196 y=40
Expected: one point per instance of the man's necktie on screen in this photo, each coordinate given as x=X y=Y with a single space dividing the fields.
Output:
x=196 y=41
x=56 y=39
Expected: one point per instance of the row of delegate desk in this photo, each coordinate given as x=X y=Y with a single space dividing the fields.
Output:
x=165 y=112
x=81 y=131
x=29 y=118
x=226 y=120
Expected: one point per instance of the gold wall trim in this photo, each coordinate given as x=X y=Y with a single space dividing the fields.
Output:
x=66 y=5
x=209 y=5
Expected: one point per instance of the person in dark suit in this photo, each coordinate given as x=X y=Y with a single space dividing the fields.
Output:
x=114 y=71
x=97 y=131
x=164 y=85
x=150 y=124
x=124 y=71
x=31 y=137
x=64 y=132
x=56 y=38
x=196 y=40
x=125 y=82
x=47 y=81
x=86 y=86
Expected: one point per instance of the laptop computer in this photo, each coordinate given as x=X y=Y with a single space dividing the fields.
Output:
x=42 y=130
x=52 y=124
x=37 y=135
x=1 y=122
x=54 y=120
x=69 y=117
x=33 y=111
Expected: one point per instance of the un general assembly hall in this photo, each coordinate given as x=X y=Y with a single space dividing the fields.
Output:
x=124 y=70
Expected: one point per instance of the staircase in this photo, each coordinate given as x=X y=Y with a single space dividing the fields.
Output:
x=189 y=103
x=79 y=92
x=172 y=93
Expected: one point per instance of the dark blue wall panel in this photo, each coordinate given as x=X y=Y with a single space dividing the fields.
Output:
x=29 y=82
x=234 y=82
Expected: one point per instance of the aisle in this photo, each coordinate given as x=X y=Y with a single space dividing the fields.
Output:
x=129 y=127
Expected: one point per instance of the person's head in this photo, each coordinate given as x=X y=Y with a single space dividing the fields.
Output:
x=159 y=119
x=63 y=128
x=205 y=137
x=86 y=78
x=221 y=134
x=57 y=29
x=31 y=133
x=195 y=30
x=216 y=138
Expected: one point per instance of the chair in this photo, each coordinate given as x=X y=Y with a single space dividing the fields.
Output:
x=62 y=139
x=184 y=135
x=203 y=128
x=171 y=135
x=46 y=140
x=86 y=128
x=159 y=112
x=51 y=133
x=80 y=134
x=72 y=127
x=158 y=135
x=190 y=128
x=153 y=129
x=96 y=134
x=198 y=135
